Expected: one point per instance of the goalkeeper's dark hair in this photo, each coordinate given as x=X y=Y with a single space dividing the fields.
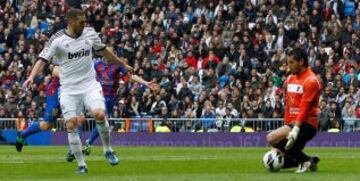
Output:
x=299 y=54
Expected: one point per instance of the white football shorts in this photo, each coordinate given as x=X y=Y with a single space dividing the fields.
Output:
x=72 y=105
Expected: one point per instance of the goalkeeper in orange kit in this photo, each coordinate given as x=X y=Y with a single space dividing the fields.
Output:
x=302 y=89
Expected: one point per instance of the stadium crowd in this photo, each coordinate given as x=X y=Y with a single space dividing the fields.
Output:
x=221 y=58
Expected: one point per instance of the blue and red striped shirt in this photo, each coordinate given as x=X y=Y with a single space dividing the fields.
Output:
x=108 y=74
x=53 y=86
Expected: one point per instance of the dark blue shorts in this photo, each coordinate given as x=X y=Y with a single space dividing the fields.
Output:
x=110 y=102
x=52 y=110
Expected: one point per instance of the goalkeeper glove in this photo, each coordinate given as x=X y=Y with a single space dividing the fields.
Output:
x=291 y=137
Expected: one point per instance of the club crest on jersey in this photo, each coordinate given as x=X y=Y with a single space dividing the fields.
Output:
x=78 y=54
x=295 y=88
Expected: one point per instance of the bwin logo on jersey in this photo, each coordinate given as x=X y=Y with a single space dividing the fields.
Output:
x=79 y=54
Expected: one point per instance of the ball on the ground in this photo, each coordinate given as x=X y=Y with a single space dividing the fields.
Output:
x=273 y=160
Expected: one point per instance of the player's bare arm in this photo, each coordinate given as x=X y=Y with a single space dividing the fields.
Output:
x=108 y=54
x=56 y=71
x=151 y=85
x=111 y=57
x=38 y=67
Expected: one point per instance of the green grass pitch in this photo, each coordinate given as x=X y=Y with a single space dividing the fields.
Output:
x=171 y=163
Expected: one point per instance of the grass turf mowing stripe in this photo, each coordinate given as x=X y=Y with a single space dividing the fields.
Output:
x=171 y=163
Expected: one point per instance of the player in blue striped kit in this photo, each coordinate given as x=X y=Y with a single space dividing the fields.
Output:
x=52 y=111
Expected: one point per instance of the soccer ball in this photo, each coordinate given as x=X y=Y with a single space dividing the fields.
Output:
x=273 y=160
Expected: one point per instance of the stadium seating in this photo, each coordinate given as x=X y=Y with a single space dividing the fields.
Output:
x=236 y=48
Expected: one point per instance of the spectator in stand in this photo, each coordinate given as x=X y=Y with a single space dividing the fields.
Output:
x=211 y=60
x=10 y=105
x=195 y=86
x=324 y=116
x=357 y=110
x=222 y=43
x=335 y=114
x=208 y=116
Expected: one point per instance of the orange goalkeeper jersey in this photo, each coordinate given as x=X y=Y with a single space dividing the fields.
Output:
x=302 y=98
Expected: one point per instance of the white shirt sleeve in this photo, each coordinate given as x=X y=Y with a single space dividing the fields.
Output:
x=96 y=41
x=48 y=51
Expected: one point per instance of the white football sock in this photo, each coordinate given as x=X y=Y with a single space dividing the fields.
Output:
x=104 y=132
x=76 y=147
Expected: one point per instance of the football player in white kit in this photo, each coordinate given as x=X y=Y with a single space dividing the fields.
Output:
x=74 y=47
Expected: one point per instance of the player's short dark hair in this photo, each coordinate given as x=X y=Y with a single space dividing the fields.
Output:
x=73 y=14
x=299 y=54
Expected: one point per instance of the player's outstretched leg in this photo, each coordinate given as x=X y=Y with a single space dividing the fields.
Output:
x=104 y=131
x=70 y=155
x=22 y=135
x=75 y=144
x=308 y=166
x=89 y=142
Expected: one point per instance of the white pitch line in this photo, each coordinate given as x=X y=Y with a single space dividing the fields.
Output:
x=101 y=158
x=49 y=159
x=12 y=162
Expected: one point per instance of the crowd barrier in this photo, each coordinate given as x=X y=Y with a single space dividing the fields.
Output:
x=141 y=132
x=149 y=124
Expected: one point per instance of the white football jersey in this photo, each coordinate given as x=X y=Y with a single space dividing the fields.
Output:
x=75 y=57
